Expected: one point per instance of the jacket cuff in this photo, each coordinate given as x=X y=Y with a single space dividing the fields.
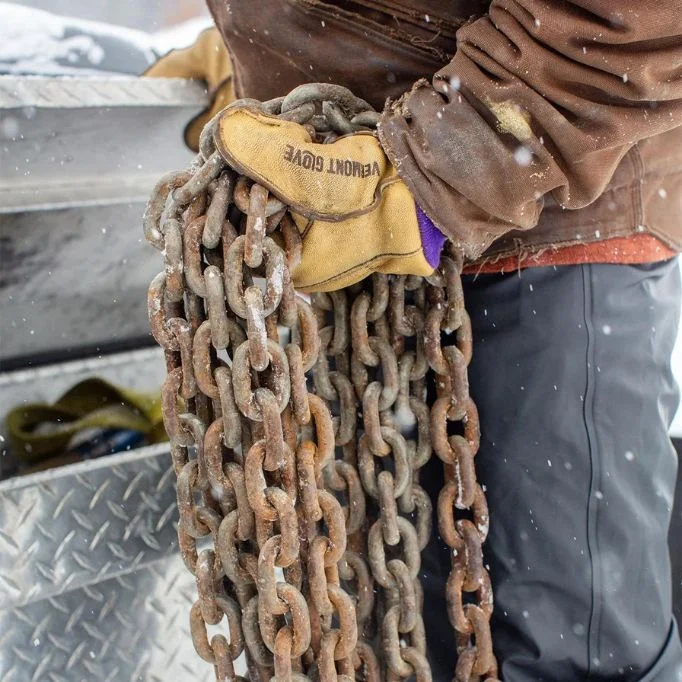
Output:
x=435 y=146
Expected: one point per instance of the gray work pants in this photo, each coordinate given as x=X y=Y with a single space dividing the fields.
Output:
x=571 y=375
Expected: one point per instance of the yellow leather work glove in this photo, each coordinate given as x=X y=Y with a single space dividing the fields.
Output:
x=354 y=213
x=206 y=60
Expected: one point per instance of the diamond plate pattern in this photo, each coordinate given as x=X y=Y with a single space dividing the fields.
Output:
x=74 y=526
x=133 y=627
x=91 y=586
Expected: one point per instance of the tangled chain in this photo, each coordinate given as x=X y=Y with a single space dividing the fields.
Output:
x=301 y=513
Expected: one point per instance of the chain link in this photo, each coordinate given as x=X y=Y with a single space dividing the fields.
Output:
x=301 y=513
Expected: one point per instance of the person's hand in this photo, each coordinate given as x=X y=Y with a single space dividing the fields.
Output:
x=354 y=213
x=206 y=60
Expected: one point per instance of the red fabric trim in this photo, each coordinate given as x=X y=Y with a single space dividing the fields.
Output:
x=638 y=248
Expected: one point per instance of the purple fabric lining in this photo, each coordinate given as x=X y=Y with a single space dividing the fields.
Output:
x=433 y=239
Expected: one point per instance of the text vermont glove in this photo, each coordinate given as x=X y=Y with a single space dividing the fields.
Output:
x=355 y=215
x=206 y=60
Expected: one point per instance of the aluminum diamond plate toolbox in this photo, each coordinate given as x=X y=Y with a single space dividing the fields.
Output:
x=78 y=159
x=90 y=140
x=141 y=370
x=91 y=583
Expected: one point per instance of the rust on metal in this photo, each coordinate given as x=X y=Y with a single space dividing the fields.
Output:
x=299 y=428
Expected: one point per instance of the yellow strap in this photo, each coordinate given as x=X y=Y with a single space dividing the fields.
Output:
x=93 y=403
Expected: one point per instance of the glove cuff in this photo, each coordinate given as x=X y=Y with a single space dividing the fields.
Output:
x=433 y=239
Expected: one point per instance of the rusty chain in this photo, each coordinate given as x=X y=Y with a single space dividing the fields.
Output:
x=301 y=513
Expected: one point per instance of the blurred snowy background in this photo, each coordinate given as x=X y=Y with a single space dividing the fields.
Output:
x=85 y=36
x=146 y=15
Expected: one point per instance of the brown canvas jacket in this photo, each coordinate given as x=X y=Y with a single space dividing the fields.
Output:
x=517 y=124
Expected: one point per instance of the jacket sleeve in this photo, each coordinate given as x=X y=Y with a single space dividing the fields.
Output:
x=542 y=97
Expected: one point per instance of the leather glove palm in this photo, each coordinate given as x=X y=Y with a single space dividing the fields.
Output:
x=354 y=213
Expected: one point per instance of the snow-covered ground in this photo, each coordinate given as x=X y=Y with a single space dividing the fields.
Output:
x=38 y=42
x=35 y=41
